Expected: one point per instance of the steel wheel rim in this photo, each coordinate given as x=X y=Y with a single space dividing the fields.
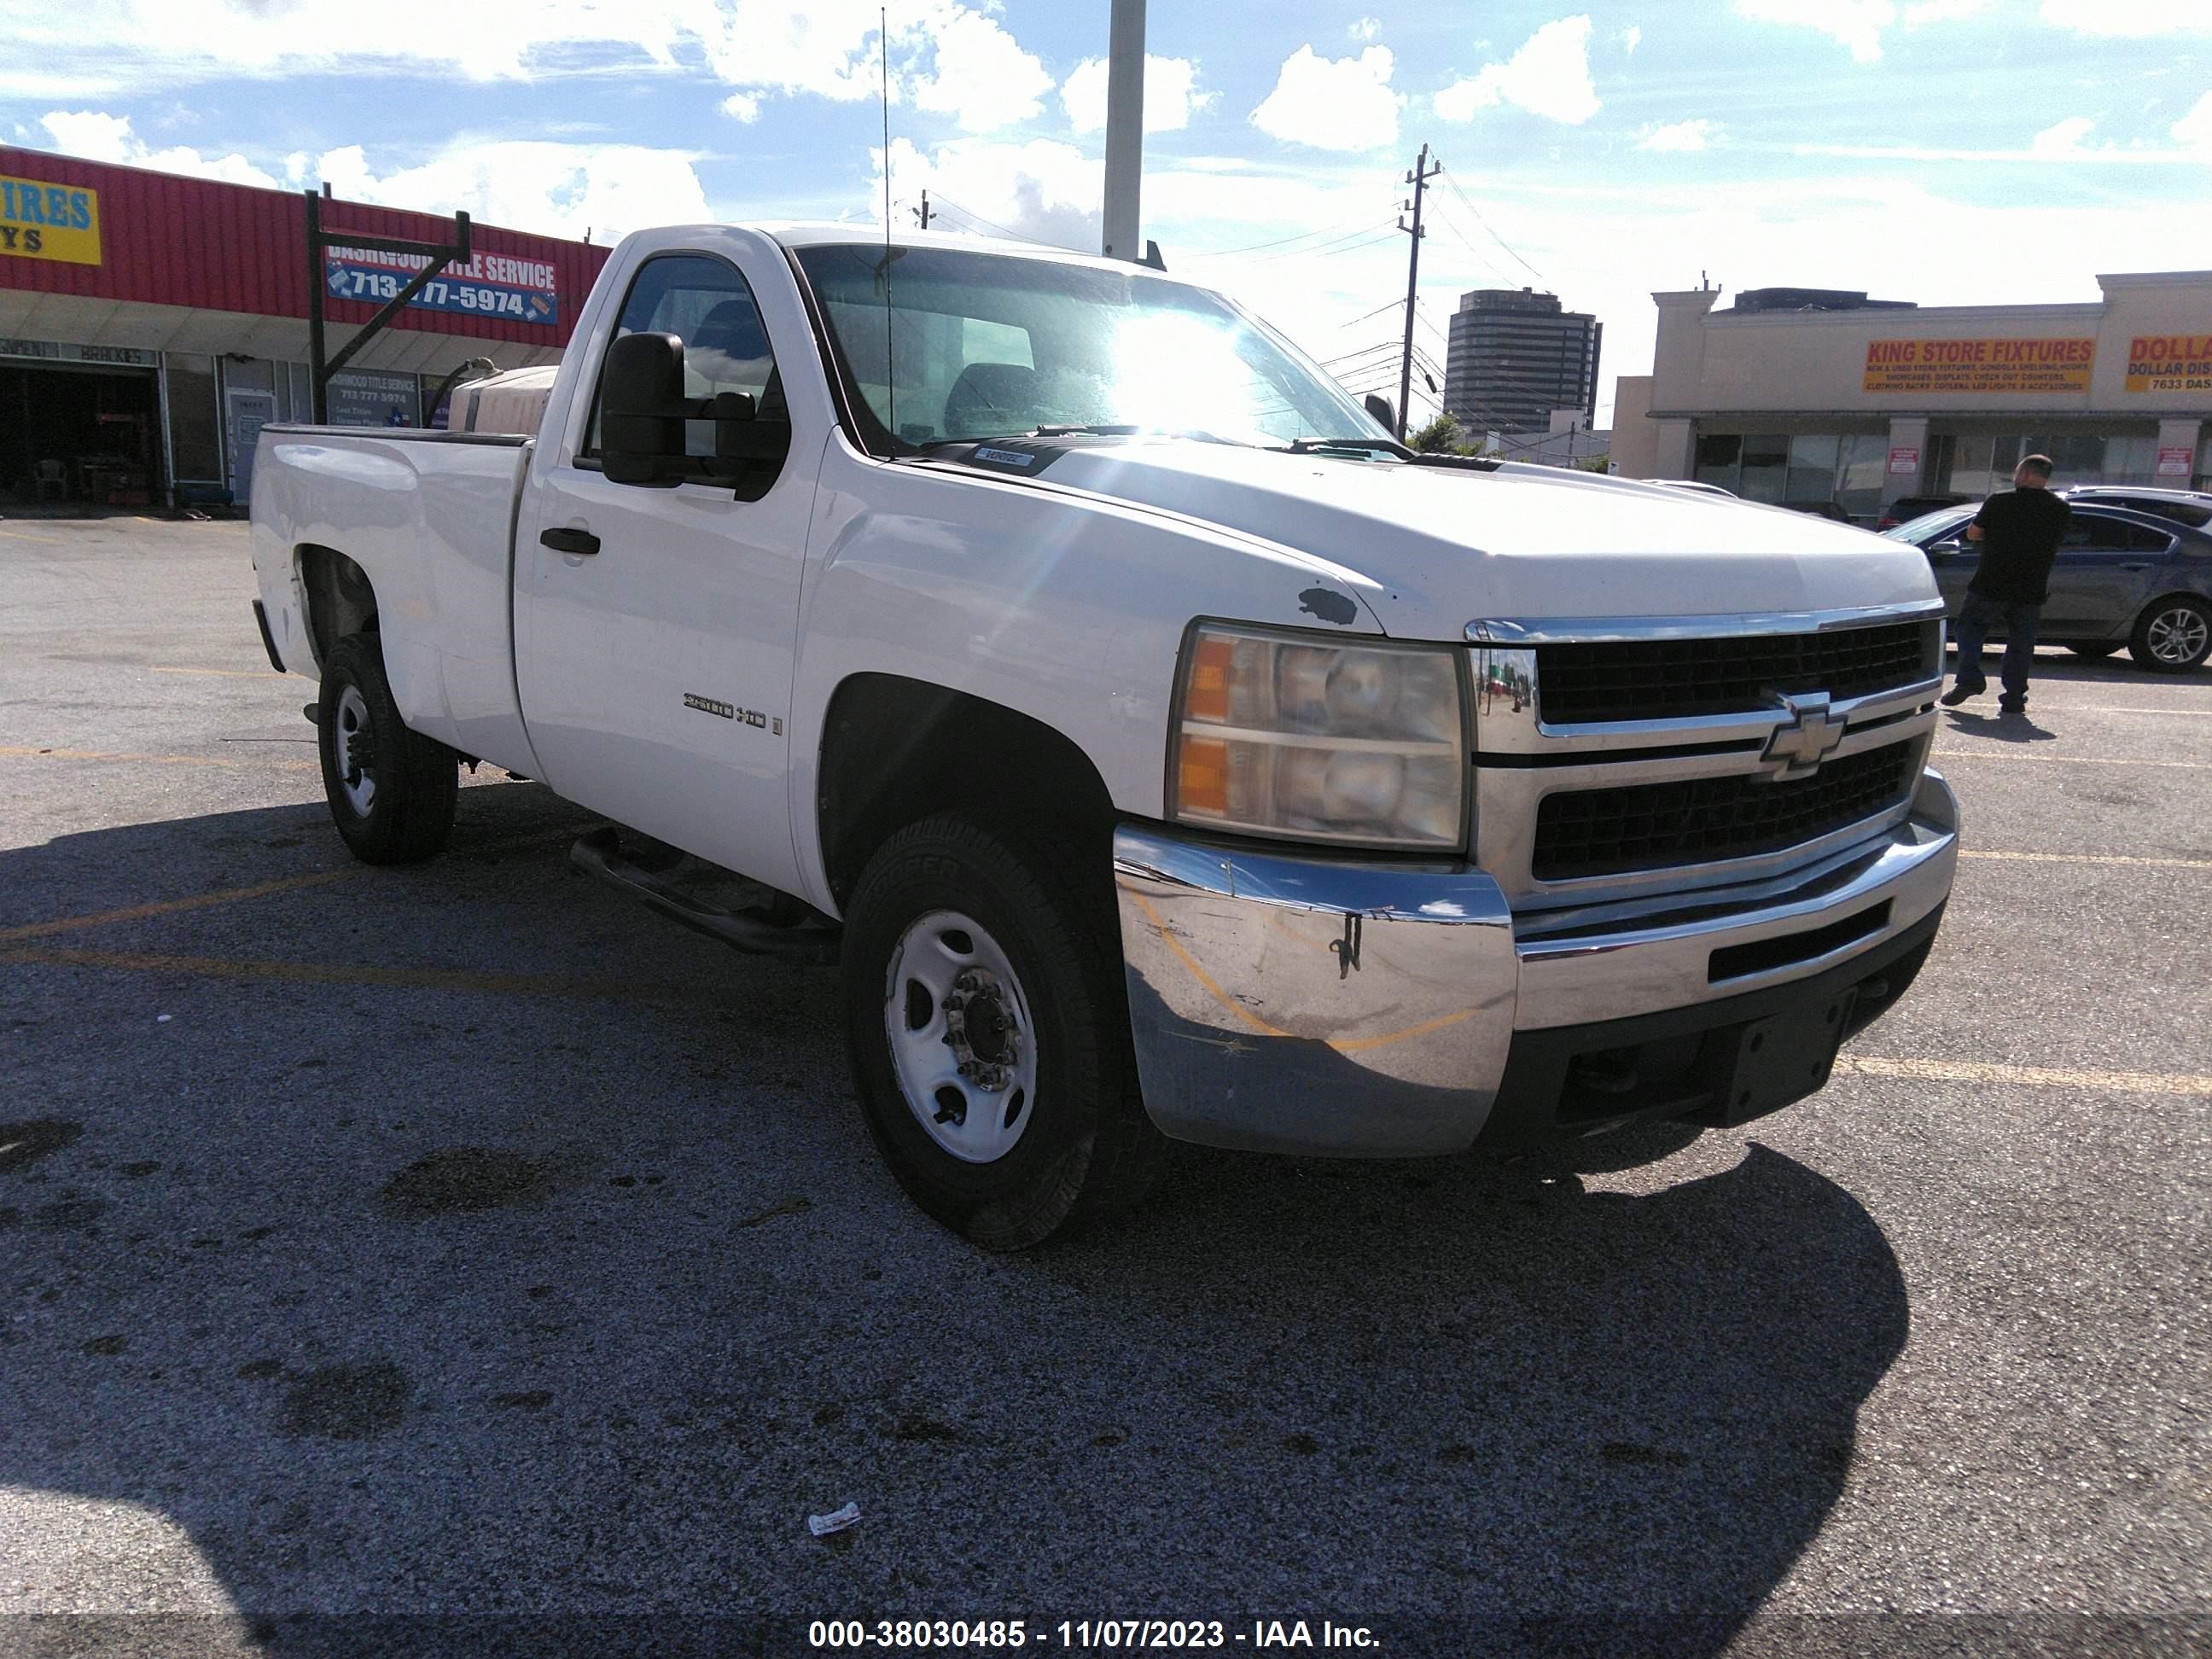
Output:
x=2177 y=635
x=351 y=743
x=963 y=1042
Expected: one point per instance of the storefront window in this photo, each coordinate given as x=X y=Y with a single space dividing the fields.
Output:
x=1717 y=455
x=2077 y=460
x=195 y=441
x=1980 y=464
x=1861 y=462
x=2130 y=461
x=1813 y=458
x=1764 y=476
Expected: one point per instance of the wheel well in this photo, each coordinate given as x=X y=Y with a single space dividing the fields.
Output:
x=341 y=599
x=896 y=749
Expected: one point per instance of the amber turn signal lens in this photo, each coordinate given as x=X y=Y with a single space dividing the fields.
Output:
x=1202 y=777
x=1211 y=661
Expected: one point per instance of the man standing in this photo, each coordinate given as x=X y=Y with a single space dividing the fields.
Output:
x=2018 y=530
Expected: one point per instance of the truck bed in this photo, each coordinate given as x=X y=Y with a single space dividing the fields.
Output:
x=430 y=516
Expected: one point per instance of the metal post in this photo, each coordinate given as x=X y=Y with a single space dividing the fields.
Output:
x=319 y=402
x=1125 y=129
x=1418 y=179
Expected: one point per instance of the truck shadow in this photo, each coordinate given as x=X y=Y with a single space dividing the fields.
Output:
x=467 y=1243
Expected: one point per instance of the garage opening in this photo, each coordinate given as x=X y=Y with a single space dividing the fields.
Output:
x=73 y=436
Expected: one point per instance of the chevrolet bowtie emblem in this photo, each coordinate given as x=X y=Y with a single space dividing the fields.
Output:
x=1807 y=738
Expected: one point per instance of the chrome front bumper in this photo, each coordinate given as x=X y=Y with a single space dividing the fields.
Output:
x=1295 y=1004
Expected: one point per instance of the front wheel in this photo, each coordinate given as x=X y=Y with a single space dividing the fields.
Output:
x=2174 y=636
x=989 y=1033
x=391 y=791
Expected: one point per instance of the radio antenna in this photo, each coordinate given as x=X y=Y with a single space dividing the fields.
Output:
x=891 y=348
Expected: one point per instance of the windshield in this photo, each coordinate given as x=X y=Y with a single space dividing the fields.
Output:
x=992 y=345
x=1918 y=530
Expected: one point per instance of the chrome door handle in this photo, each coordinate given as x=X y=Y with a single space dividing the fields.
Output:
x=569 y=541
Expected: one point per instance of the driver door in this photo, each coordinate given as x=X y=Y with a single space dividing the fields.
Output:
x=656 y=625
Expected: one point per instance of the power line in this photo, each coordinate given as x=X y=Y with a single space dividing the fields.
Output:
x=944 y=202
x=1381 y=232
x=1453 y=185
x=1218 y=253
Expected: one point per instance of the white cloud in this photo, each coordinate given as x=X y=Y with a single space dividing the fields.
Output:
x=1631 y=38
x=1363 y=29
x=1549 y=76
x=984 y=79
x=100 y=138
x=2062 y=138
x=1171 y=94
x=1333 y=103
x=1681 y=136
x=1043 y=191
x=1921 y=13
x=742 y=106
x=1858 y=23
x=557 y=189
x=951 y=56
x=2194 y=130
x=2134 y=18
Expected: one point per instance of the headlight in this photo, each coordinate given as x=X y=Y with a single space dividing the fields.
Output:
x=1284 y=735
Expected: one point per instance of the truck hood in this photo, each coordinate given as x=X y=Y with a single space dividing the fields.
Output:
x=1429 y=549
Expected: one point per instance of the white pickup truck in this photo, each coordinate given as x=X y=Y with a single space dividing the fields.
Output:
x=1163 y=752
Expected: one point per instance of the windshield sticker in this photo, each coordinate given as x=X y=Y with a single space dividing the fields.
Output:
x=1005 y=457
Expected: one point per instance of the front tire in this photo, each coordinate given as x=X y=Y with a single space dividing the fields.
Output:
x=2174 y=636
x=989 y=1025
x=391 y=791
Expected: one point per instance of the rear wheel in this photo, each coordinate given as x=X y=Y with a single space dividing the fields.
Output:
x=391 y=791
x=2094 y=648
x=989 y=1033
x=2174 y=636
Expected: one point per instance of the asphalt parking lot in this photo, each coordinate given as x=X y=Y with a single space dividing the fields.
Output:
x=461 y=1244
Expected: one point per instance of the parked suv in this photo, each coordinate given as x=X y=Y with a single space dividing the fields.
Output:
x=2122 y=578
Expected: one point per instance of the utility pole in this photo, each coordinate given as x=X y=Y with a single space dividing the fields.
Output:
x=1125 y=129
x=1418 y=179
x=924 y=211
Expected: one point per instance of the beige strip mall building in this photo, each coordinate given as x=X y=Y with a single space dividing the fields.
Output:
x=1797 y=395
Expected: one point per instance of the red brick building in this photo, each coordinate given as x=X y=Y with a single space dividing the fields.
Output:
x=149 y=324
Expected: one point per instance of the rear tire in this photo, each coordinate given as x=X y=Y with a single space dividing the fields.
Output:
x=2095 y=649
x=391 y=791
x=989 y=1029
x=2174 y=636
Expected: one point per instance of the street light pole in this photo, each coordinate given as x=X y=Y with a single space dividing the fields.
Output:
x=1125 y=131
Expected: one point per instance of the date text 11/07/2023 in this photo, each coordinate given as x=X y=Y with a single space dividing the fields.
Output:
x=1086 y=1635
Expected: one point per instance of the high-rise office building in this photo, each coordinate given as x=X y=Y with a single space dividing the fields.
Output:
x=1515 y=357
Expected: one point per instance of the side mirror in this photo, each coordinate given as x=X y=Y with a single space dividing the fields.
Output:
x=641 y=409
x=1944 y=550
x=1379 y=407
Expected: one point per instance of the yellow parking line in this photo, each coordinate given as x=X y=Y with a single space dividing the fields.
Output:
x=2088 y=858
x=2066 y=760
x=19 y=750
x=2043 y=1077
x=338 y=973
x=171 y=907
x=224 y=673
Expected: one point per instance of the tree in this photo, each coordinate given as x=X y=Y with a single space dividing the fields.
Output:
x=1441 y=436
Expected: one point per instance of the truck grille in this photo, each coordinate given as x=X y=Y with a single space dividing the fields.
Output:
x=1598 y=832
x=1654 y=679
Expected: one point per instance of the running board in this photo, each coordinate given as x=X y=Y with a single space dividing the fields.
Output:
x=599 y=854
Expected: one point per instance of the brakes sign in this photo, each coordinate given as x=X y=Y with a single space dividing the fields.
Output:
x=2170 y=362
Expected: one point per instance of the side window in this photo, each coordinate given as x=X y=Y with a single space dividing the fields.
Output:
x=2143 y=540
x=708 y=305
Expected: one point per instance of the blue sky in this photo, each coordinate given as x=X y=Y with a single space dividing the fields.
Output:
x=1947 y=151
